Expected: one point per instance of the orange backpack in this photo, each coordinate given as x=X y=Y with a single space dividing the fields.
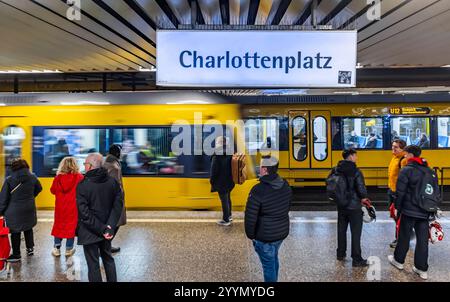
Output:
x=238 y=170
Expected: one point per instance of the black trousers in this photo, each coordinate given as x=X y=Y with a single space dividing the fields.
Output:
x=226 y=205
x=421 y=226
x=355 y=219
x=93 y=252
x=391 y=199
x=15 y=241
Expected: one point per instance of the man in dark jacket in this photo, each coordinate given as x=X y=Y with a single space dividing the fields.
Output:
x=351 y=213
x=221 y=179
x=17 y=204
x=267 y=216
x=99 y=201
x=410 y=215
x=112 y=164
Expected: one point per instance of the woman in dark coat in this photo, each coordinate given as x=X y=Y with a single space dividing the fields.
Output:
x=221 y=179
x=18 y=206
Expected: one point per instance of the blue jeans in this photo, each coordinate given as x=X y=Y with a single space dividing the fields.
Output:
x=69 y=243
x=268 y=254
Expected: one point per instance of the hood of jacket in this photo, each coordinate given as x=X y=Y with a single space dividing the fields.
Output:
x=111 y=159
x=69 y=181
x=347 y=167
x=419 y=161
x=21 y=175
x=99 y=175
x=274 y=180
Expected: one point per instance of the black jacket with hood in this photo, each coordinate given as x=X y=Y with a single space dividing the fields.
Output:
x=221 y=179
x=114 y=168
x=17 y=202
x=356 y=185
x=99 y=202
x=408 y=184
x=267 y=209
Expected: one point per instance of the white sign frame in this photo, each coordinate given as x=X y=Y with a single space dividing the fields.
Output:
x=179 y=46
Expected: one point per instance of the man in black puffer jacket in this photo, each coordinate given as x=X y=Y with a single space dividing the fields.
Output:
x=351 y=213
x=410 y=215
x=267 y=216
x=100 y=203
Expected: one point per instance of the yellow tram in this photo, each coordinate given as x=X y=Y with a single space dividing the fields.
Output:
x=309 y=138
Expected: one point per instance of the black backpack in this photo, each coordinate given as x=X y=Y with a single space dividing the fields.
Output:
x=338 y=188
x=428 y=197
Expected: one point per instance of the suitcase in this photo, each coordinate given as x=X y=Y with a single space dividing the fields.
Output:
x=5 y=247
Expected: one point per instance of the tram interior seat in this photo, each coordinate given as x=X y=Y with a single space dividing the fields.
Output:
x=362 y=141
x=379 y=143
x=443 y=141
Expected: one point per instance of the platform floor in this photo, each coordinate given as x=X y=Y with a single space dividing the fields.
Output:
x=189 y=246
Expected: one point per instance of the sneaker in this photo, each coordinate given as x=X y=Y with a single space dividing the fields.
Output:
x=393 y=244
x=340 y=258
x=360 y=263
x=30 y=252
x=422 y=274
x=223 y=223
x=394 y=262
x=56 y=252
x=70 y=252
x=14 y=258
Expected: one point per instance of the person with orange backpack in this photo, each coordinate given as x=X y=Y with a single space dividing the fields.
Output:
x=221 y=178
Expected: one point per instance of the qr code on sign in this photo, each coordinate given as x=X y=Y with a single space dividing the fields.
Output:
x=345 y=77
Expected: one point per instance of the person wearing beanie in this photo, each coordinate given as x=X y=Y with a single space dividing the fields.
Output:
x=114 y=168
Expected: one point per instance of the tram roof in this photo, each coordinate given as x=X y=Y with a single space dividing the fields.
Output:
x=218 y=97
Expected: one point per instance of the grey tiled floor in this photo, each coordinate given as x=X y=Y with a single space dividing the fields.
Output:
x=189 y=246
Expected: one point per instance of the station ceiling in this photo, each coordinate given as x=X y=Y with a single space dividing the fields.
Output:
x=120 y=35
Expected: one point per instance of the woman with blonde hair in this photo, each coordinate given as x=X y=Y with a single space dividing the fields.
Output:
x=66 y=213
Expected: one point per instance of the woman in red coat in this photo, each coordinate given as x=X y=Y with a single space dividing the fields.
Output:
x=66 y=213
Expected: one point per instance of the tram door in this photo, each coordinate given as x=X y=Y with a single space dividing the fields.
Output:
x=310 y=139
x=11 y=145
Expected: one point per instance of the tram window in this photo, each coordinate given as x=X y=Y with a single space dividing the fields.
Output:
x=336 y=143
x=299 y=138
x=444 y=132
x=320 y=138
x=261 y=134
x=363 y=133
x=147 y=151
x=413 y=130
x=59 y=143
x=12 y=145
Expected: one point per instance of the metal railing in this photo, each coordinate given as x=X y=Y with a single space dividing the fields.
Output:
x=440 y=172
